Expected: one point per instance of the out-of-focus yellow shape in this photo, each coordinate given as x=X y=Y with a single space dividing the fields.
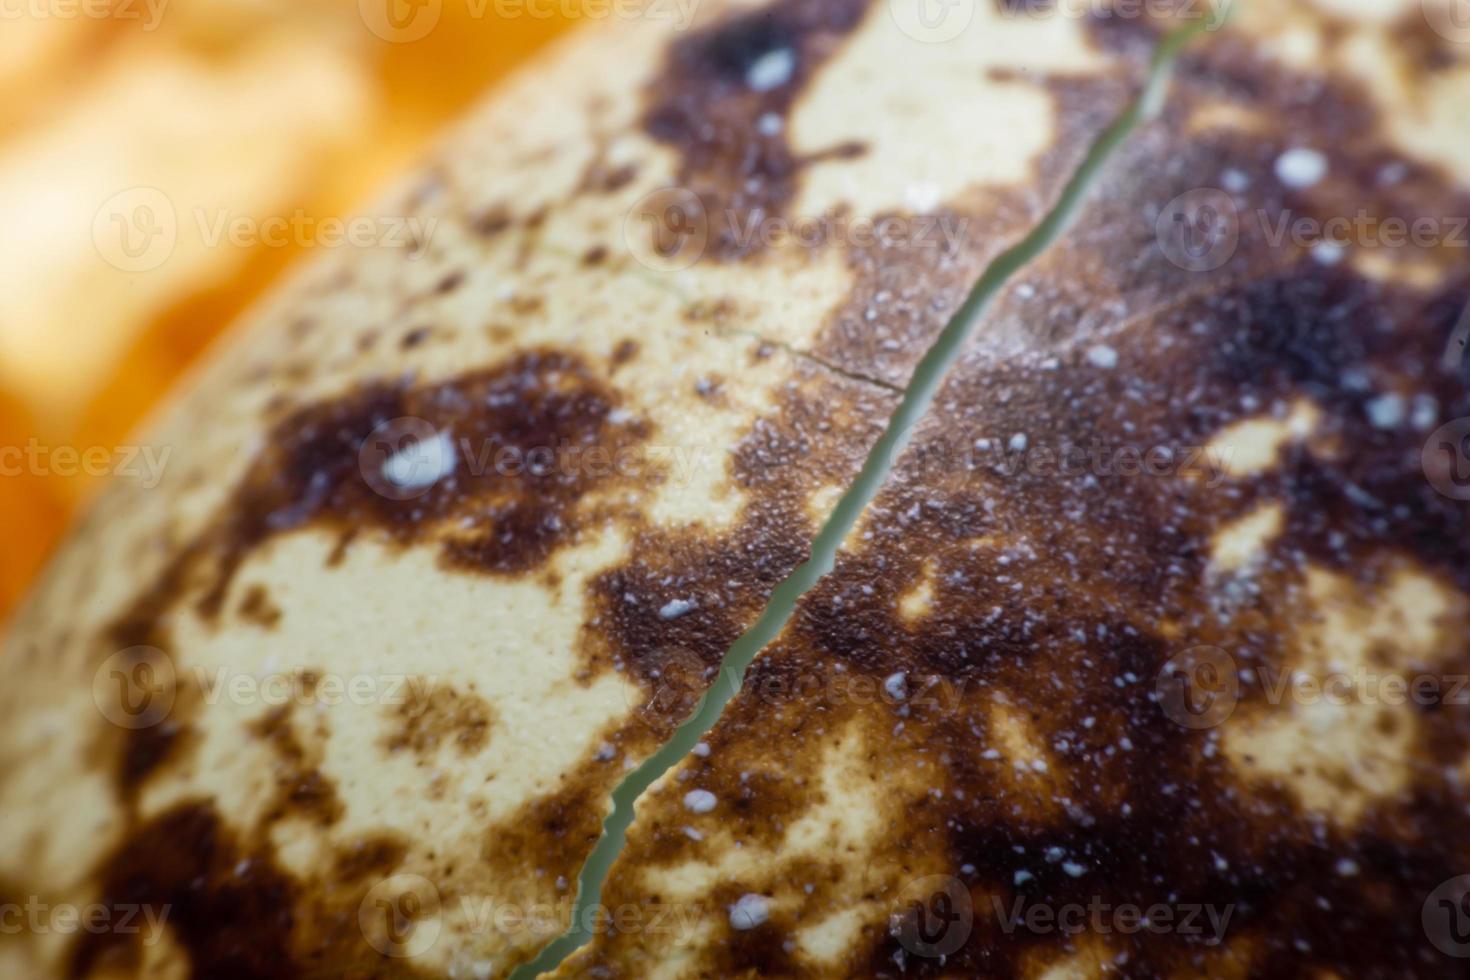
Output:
x=117 y=211
x=130 y=142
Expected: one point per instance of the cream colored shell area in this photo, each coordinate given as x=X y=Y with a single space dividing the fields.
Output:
x=1334 y=760
x=899 y=97
x=384 y=613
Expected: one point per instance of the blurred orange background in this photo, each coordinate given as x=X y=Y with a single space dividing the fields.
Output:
x=256 y=108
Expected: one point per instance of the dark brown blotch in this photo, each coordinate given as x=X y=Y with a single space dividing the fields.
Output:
x=258 y=608
x=624 y=353
x=372 y=857
x=301 y=789
x=437 y=715
x=450 y=282
x=234 y=911
x=231 y=910
x=490 y=515
x=704 y=106
x=491 y=221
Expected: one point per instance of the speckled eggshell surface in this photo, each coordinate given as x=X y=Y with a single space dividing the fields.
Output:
x=454 y=529
x=1166 y=608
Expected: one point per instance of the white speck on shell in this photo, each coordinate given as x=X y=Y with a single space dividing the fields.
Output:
x=1329 y=253
x=423 y=464
x=896 y=686
x=1103 y=356
x=1425 y=413
x=921 y=197
x=771 y=70
x=677 y=608
x=748 y=912
x=1387 y=411
x=1301 y=168
x=699 y=801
